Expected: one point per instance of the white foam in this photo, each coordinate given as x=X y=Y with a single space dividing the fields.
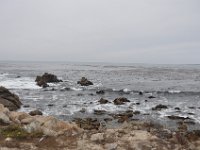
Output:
x=126 y=90
x=174 y=91
x=19 y=83
x=76 y=89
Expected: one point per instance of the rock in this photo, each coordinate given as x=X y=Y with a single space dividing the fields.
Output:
x=83 y=110
x=136 y=112
x=9 y=100
x=110 y=146
x=120 y=101
x=26 y=106
x=191 y=107
x=177 y=108
x=173 y=117
x=160 y=107
x=100 y=92
x=103 y=101
x=98 y=137
x=46 y=78
x=123 y=116
x=151 y=97
x=4 y=119
x=99 y=112
x=87 y=123
x=50 y=105
x=84 y=82
x=35 y=112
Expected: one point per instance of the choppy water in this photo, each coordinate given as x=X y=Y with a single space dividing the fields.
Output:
x=173 y=85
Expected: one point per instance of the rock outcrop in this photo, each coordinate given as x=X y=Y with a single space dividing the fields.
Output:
x=46 y=78
x=9 y=100
x=84 y=82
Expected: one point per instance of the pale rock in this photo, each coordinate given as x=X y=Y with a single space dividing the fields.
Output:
x=110 y=146
x=97 y=137
x=4 y=118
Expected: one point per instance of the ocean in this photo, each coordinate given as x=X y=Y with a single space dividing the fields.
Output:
x=176 y=86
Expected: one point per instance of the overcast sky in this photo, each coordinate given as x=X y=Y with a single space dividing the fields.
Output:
x=130 y=31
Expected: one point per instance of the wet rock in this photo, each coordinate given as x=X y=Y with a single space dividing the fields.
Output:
x=173 y=117
x=50 y=105
x=99 y=112
x=35 y=112
x=79 y=94
x=146 y=101
x=140 y=93
x=26 y=106
x=136 y=112
x=151 y=97
x=187 y=122
x=108 y=119
x=163 y=133
x=103 y=101
x=123 y=116
x=84 y=82
x=192 y=107
x=9 y=100
x=91 y=94
x=64 y=106
x=83 y=110
x=160 y=107
x=177 y=108
x=190 y=113
x=87 y=123
x=137 y=103
x=46 y=78
x=100 y=92
x=120 y=101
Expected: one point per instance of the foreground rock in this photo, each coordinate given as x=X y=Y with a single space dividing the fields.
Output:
x=84 y=82
x=9 y=100
x=120 y=101
x=46 y=78
x=35 y=112
x=45 y=125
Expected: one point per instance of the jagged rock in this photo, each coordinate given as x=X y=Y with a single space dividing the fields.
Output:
x=103 y=101
x=173 y=117
x=120 y=101
x=84 y=82
x=160 y=107
x=35 y=112
x=46 y=78
x=150 y=97
x=9 y=100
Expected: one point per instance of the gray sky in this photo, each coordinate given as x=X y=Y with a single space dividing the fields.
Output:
x=142 y=31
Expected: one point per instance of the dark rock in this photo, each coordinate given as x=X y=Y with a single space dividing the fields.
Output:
x=50 y=105
x=137 y=103
x=91 y=94
x=191 y=107
x=100 y=92
x=79 y=94
x=173 y=117
x=177 y=108
x=18 y=76
x=150 y=97
x=163 y=133
x=190 y=113
x=35 y=112
x=146 y=100
x=46 y=78
x=120 y=101
x=84 y=82
x=103 y=101
x=136 y=112
x=187 y=122
x=123 y=116
x=26 y=106
x=160 y=107
x=87 y=123
x=140 y=93
x=108 y=119
x=99 y=112
x=83 y=110
x=9 y=100
x=64 y=106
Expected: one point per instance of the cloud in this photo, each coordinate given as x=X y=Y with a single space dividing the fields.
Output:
x=142 y=31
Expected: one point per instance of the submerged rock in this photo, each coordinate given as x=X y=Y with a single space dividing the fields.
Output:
x=84 y=82
x=9 y=100
x=99 y=112
x=160 y=107
x=120 y=101
x=46 y=78
x=35 y=112
x=103 y=101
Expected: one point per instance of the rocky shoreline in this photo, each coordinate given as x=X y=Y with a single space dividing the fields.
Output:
x=20 y=130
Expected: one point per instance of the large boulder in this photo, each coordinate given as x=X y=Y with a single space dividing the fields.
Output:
x=9 y=100
x=46 y=78
x=84 y=82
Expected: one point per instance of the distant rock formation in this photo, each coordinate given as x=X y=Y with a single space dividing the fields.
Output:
x=46 y=78
x=9 y=100
x=84 y=82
